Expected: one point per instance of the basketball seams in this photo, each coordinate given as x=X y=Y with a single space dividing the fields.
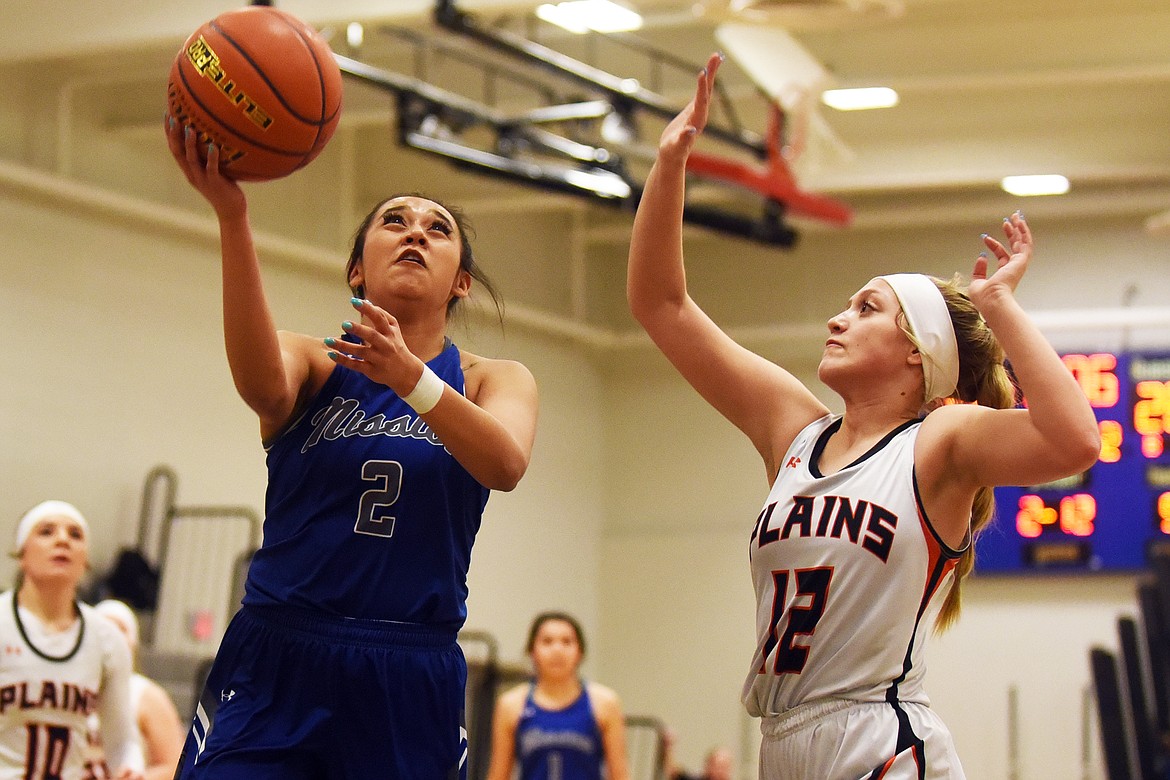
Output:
x=321 y=86
x=318 y=143
x=189 y=93
x=259 y=71
x=322 y=90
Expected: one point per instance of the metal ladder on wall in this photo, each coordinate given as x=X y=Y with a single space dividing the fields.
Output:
x=201 y=553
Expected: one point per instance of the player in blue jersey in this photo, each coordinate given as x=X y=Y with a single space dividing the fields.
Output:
x=382 y=445
x=867 y=530
x=558 y=727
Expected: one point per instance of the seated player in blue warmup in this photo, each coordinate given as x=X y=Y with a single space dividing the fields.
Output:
x=558 y=727
x=382 y=445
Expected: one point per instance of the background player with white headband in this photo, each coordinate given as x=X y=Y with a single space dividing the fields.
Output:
x=61 y=661
x=869 y=525
x=158 y=726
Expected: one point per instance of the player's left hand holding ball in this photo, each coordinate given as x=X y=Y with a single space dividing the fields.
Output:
x=224 y=195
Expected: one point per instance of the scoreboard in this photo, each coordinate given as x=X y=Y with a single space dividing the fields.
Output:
x=1113 y=516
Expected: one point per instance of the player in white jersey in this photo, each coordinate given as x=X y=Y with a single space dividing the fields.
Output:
x=869 y=526
x=159 y=728
x=60 y=660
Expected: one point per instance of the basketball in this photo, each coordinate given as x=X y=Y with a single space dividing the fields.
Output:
x=262 y=86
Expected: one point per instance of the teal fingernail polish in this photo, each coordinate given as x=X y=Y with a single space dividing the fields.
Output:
x=983 y=235
x=330 y=341
x=331 y=355
x=356 y=301
x=347 y=325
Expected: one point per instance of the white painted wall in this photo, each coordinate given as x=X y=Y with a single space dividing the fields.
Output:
x=1033 y=634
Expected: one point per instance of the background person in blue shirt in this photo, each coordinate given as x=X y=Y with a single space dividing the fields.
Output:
x=558 y=726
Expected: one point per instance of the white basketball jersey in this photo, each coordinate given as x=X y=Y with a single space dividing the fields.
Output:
x=849 y=578
x=49 y=686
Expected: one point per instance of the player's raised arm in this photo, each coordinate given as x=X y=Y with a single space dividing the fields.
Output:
x=1056 y=434
x=765 y=402
x=268 y=375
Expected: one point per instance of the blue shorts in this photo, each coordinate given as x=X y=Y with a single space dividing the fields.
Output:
x=299 y=696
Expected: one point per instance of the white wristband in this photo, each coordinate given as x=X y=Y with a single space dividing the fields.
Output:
x=426 y=393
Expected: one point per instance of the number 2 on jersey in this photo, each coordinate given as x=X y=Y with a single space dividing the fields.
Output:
x=373 y=517
x=802 y=617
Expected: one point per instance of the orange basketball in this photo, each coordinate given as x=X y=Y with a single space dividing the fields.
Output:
x=262 y=86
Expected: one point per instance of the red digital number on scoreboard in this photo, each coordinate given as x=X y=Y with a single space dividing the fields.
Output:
x=1097 y=376
x=1112 y=435
x=1075 y=515
x=1151 y=415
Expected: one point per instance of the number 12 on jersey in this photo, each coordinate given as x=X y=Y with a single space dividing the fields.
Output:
x=808 y=606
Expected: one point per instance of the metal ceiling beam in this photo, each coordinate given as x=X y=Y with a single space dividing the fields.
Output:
x=619 y=91
x=430 y=119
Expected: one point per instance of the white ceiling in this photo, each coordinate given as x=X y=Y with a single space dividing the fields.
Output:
x=988 y=88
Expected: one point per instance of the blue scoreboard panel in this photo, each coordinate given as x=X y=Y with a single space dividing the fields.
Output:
x=1111 y=517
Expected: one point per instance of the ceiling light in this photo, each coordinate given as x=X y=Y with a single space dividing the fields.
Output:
x=860 y=98
x=618 y=128
x=604 y=184
x=581 y=16
x=355 y=34
x=1044 y=184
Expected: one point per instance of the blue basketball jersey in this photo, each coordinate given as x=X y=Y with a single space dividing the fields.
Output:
x=367 y=514
x=559 y=744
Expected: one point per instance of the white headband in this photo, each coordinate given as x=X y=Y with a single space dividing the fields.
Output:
x=930 y=322
x=120 y=613
x=44 y=510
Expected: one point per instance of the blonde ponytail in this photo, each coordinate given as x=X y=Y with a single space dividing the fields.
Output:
x=983 y=379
